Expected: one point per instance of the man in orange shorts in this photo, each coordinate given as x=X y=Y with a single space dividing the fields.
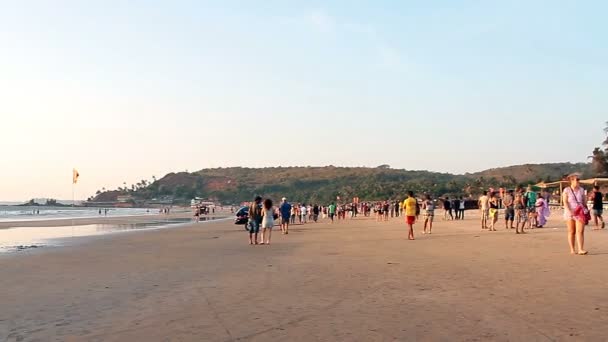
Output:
x=409 y=206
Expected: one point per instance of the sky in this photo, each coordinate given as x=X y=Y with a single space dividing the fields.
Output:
x=124 y=90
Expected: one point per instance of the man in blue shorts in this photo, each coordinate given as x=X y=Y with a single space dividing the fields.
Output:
x=255 y=219
x=509 y=203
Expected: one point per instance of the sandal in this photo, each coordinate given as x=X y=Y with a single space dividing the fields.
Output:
x=583 y=253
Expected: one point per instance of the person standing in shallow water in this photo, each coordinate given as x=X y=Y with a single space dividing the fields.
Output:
x=573 y=198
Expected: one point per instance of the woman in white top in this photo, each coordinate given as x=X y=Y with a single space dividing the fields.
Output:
x=267 y=221
x=573 y=198
x=428 y=207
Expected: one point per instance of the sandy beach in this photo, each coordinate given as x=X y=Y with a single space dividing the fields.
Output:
x=359 y=280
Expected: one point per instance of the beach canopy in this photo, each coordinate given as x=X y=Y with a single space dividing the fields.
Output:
x=544 y=185
x=595 y=181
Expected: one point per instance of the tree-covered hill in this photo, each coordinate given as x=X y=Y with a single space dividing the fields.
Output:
x=323 y=184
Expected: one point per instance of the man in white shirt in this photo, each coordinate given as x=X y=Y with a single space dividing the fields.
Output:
x=303 y=213
x=485 y=209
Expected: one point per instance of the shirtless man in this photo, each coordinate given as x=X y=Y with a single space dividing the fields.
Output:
x=484 y=206
x=508 y=202
x=521 y=213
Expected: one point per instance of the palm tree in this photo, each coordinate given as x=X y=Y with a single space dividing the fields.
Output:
x=599 y=162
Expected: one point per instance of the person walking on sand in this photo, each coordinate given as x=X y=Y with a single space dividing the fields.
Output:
x=428 y=208
x=542 y=211
x=509 y=204
x=521 y=213
x=294 y=213
x=447 y=207
x=332 y=211
x=493 y=211
x=457 y=208
x=462 y=207
x=267 y=221
x=575 y=214
x=530 y=197
x=385 y=209
x=255 y=219
x=410 y=213
x=597 y=199
x=303 y=213
x=285 y=210
x=484 y=207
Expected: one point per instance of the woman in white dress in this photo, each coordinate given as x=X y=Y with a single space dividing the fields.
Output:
x=267 y=221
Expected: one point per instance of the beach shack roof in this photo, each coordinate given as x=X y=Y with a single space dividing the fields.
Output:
x=594 y=181
x=544 y=185
x=590 y=181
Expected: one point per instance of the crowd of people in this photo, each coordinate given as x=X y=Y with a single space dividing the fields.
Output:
x=521 y=209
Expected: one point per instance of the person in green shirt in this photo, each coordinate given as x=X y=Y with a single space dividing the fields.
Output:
x=332 y=211
x=531 y=206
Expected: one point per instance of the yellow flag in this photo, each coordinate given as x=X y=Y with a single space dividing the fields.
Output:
x=75 y=176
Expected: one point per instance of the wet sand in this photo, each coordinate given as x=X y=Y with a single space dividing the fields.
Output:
x=96 y=220
x=355 y=281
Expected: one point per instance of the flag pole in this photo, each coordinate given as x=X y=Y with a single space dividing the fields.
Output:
x=72 y=221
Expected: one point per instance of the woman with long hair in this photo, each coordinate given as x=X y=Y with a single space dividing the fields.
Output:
x=267 y=221
x=575 y=214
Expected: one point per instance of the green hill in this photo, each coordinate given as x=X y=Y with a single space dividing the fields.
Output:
x=324 y=184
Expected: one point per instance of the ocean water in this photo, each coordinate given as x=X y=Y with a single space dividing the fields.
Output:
x=27 y=213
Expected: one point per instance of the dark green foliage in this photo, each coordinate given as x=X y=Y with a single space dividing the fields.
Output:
x=325 y=184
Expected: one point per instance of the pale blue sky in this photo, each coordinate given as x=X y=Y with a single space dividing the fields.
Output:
x=123 y=90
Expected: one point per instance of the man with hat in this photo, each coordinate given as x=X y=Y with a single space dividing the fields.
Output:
x=575 y=214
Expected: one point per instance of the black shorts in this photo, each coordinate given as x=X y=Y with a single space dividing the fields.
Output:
x=285 y=220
